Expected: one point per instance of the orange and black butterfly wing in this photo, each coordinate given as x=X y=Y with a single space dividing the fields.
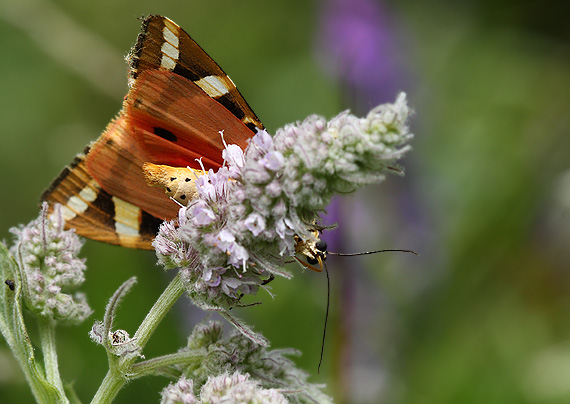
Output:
x=95 y=213
x=178 y=103
x=163 y=45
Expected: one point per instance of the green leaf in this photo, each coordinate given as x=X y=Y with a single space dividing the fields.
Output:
x=11 y=319
x=14 y=330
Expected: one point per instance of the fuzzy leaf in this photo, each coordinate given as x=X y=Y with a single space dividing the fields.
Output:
x=14 y=330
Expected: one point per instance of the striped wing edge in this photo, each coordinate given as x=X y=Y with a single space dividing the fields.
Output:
x=162 y=44
x=95 y=213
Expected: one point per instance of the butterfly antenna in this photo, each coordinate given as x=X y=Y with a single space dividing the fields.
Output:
x=370 y=252
x=326 y=317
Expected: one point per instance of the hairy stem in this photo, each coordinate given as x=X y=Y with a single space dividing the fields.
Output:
x=47 y=338
x=118 y=375
x=150 y=366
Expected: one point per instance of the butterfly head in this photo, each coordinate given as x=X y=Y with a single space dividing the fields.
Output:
x=179 y=183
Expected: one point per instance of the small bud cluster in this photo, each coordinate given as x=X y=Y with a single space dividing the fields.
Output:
x=50 y=268
x=118 y=342
x=241 y=227
x=219 y=355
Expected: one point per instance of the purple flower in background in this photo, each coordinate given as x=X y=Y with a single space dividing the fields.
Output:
x=357 y=43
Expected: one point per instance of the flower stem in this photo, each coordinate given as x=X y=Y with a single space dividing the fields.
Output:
x=47 y=338
x=162 y=306
x=152 y=365
x=118 y=375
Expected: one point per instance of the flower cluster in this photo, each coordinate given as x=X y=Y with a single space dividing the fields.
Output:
x=236 y=354
x=180 y=392
x=242 y=226
x=225 y=388
x=50 y=267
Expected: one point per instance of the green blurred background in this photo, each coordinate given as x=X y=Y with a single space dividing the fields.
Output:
x=482 y=315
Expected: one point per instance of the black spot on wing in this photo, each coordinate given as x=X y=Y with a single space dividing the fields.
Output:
x=252 y=127
x=228 y=101
x=165 y=134
x=190 y=75
x=105 y=204
x=149 y=225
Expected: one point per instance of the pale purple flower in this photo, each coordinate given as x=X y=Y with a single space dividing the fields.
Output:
x=255 y=223
x=262 y=142
x=233 y=154
x=202 y=215
x=238 y=388
x=51 y=270
x=241 y=228
x=273 y=160
x=238 y=257
x=225 y=241
x=213 y=276
x=180 y=392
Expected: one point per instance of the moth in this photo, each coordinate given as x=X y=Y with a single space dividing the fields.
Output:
x=179 y=100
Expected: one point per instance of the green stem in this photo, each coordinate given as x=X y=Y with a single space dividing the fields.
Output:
x=47 y=340
x=110 y=387
x=117 y=376
x=150 y=366
x=162 y=306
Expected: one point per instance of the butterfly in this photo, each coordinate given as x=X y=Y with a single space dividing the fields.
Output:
x=179 y=100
